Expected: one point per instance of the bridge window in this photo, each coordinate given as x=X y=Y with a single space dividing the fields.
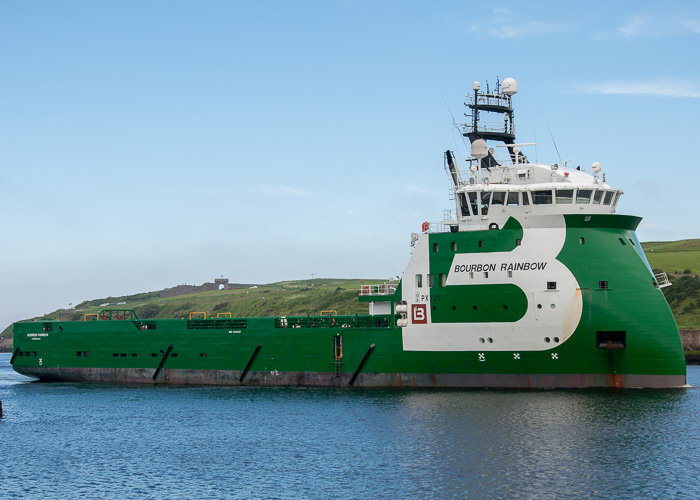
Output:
x=617 y=197
x=608 y=198
x=419 y=280
x=463 y=205
x=513 y=199
x=526 y=198
x=551 y=285
x=498 y=198
x=542 y=197
x=583 y=196
x=485 y=203
x=454 y=246
x=472 y=202
x=435 y=247
x=565 y=196
x=597 y=197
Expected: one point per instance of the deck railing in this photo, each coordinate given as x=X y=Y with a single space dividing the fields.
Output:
x=662 y=280
x=383 y=289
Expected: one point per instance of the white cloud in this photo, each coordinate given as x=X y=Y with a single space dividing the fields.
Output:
x=531 y=28
x=281 y=190
x=649 y=88
x=413 y=189
x=502 y=10
x=635 y=25
x=657 y=25
x=502 y=23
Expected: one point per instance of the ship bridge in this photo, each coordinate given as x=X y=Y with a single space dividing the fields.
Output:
x=495 y=186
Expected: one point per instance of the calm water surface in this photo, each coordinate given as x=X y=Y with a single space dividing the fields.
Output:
x=88 y=441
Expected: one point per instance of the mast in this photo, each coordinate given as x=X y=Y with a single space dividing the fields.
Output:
x=499 y=123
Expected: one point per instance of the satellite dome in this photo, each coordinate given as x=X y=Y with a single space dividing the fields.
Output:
x=476 y=86
x=510 y=86
x=479 y=149
x=596 y=167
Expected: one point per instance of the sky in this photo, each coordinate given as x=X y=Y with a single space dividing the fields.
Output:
x=146 y=144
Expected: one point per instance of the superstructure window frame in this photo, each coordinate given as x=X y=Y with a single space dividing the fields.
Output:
x=542 y=197
x=498 y=198
x=584 y=196
x=473 y=203
x=564 y=196
x=513 y=200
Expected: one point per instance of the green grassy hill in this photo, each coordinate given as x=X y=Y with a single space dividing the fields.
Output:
x=674 y=257
x=681 y=261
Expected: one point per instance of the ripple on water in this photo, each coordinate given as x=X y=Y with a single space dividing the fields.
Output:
x=85 y=441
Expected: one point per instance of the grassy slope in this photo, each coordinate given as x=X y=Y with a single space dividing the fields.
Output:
x=681 y=261
x=674 y=256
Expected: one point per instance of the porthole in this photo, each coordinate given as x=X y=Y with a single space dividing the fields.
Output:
x=482 y=340
x=434 y=308
x=490 y=340
x=539 y=306
x=454 y=308
x=547 y=340
x=474 y=307
x=552 y=306
x=556 y=339
x=505 y=306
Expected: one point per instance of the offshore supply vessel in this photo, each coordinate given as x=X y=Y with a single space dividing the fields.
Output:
x=532 y=281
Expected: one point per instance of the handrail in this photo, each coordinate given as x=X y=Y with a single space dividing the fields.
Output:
x=116 y=314
x=383 y=289
x=661 y=280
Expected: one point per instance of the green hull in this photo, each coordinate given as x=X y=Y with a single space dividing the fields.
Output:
x=605 y=323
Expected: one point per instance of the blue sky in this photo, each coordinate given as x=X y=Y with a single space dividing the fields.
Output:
x=149 y=144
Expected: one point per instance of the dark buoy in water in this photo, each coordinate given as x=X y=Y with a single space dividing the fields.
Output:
x=0 y=409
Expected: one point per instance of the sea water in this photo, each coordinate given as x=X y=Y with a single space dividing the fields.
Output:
x=70 y=440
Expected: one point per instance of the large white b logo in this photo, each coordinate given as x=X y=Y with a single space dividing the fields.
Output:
x=419 y=314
